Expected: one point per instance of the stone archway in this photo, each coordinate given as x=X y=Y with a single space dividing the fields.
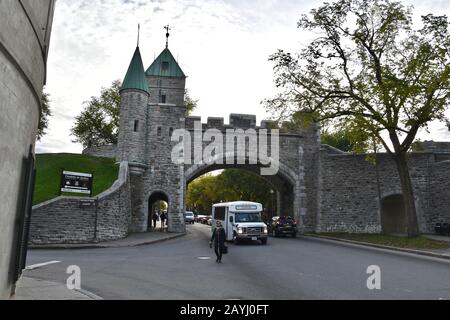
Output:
x=154 y=199
x=285 y=182
x=393 y=217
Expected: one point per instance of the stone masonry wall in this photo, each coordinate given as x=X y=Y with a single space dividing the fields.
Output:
x=161 y=175
x=439 y=210
x=73 y=220
x=132 y=134
x=296 y=182
x=349 y=198
x=108 y=151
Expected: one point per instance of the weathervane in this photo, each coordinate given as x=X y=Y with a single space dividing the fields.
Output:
x=167 y=35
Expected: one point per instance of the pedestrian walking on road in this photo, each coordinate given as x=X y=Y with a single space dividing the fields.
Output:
x=218 y=237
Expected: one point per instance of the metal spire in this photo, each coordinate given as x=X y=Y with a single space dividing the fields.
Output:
x=167 y=35
x=139 y=33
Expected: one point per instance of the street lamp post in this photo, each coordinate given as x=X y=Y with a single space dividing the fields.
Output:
x=272 y=204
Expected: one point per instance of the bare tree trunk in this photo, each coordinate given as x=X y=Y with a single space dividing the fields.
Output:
x=408 y=195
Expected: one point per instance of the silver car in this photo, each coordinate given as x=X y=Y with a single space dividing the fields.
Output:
x=189 y=217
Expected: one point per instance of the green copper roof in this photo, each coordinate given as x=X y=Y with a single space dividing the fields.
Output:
x=165 y=66
x=135 y=78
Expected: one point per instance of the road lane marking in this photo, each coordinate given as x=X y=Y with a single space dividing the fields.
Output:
x=40 y=265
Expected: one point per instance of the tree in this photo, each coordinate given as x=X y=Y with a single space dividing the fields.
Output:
x=45 y=114
x=98 y=124
x=190 y=103
x=202 y=194
x=230 y=185
x=371 y=70
x=338 y=139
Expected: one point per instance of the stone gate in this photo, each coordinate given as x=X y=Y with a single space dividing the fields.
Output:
x=326 y=189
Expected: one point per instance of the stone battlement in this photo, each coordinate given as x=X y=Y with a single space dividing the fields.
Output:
x=237 y=121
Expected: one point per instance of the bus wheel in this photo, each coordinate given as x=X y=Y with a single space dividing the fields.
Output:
x=236 y=239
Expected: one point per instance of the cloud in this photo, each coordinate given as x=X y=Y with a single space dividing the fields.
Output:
x=223 y=47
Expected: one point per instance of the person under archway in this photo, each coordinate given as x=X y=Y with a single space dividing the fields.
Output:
x=163 y=218
x=155 y=219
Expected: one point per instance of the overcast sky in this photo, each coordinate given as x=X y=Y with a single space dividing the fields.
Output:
x=223 y=47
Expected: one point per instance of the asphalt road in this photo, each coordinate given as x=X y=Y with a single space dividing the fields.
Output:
x=292 y=269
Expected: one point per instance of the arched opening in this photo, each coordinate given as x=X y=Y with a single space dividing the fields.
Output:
x=393 y=218
x=158 y=204
x=275 y=193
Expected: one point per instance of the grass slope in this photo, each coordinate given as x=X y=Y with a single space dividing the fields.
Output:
x=48 y=175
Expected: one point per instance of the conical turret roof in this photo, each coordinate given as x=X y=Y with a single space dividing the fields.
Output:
x=135 y=78
x=165 y=66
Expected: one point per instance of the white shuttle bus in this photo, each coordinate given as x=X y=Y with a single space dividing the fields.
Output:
x=241 y=221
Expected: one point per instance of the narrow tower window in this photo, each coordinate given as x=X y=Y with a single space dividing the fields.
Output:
x=136 y=125
x=159 y=132
x=170 y=132
x=163 y=99
x=165 y=66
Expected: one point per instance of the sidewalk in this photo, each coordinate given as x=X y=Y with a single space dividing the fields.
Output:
x=34 y=289
x=133 y=240
x=437 y=237
x=435 y=253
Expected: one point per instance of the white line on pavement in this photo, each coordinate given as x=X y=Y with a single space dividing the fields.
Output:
x=40 y=265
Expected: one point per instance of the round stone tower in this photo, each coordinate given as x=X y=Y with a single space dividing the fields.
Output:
x=133 y=116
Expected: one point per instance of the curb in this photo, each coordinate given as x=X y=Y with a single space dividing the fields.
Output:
x=176 y=236
x=90 y=295
x=45 y=285
x=103 y=246
x=379 y=246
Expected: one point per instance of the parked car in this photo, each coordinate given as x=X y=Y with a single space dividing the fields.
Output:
x=209 y=221
x=283 y=226
x=189 y=217
x=205 y=220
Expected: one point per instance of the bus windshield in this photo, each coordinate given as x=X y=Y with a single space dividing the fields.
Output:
x=243 y=217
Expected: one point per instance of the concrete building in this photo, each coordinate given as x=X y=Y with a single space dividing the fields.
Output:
x=25 y=27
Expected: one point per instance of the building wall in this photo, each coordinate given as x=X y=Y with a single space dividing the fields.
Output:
x=161 y=175
x=24 y=38
x=172 y=88
x=69 y=220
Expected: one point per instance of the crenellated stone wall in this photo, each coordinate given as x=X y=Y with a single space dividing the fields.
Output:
x=324 y=188
x=74 y=220
x=297 y=179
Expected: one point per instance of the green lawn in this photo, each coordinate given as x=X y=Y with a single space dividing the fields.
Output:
x=392 y=241
x=48 y=167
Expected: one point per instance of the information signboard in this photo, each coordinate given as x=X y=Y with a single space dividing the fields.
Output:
x=75 y=182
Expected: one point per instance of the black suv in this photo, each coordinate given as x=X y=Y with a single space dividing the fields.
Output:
x=283 y=226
